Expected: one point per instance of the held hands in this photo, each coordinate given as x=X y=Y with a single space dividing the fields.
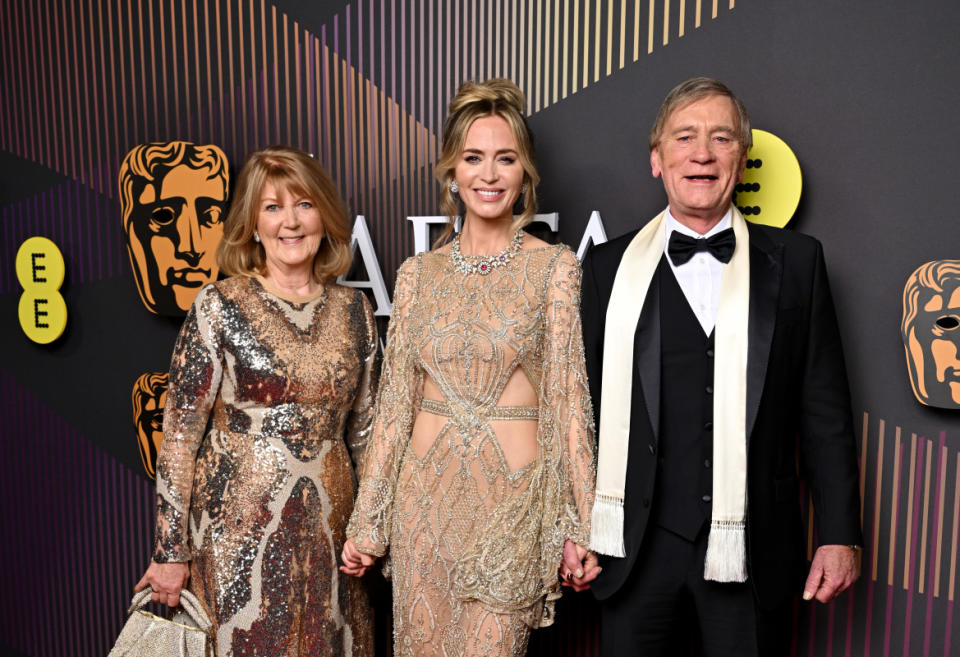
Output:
x=579 y=567
x=834 y=569
x=355 y=562
x=166 y=580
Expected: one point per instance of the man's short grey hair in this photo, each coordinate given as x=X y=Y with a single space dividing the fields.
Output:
x=692 y=90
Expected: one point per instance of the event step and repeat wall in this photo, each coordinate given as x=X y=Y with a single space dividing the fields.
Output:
x=123 y=122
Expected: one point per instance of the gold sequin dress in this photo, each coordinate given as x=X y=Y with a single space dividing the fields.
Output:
x=475 y=529
x=268 y=401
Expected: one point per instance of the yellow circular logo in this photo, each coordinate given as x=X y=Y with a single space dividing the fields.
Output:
x=40 y=264
x=40 y=270
x=770 y=190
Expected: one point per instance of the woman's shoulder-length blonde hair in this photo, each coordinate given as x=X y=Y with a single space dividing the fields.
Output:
x=474 y=100
x=298 y=173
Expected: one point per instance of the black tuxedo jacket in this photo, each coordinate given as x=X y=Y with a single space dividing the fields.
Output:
x=797 y=404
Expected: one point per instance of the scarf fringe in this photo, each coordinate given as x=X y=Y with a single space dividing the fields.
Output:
x=726 y=559
x=606 y=535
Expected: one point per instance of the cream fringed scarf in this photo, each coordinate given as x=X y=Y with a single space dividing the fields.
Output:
x=726 y=548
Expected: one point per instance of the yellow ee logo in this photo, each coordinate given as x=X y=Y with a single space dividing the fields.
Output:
x=40 y=270
x=770 y=190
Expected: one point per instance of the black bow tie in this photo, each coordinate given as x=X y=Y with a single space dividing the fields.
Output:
x=682 y=247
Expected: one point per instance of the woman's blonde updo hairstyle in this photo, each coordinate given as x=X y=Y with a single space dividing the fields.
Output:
x=302 y=175
x=474 y=100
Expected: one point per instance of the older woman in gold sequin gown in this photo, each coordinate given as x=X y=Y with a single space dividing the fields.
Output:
x=270 y=399
x=479 y=475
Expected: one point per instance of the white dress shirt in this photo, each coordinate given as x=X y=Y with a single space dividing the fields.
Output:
x=699 y=277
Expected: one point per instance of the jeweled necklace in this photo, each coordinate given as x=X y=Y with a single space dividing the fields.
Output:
x=484 y=264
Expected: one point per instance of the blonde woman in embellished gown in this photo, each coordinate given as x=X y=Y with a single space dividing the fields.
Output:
x=269 y=405
x=480 y=471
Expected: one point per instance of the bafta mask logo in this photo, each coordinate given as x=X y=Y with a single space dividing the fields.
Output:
x=931 y=332
x=149 y=396
x=172 y=199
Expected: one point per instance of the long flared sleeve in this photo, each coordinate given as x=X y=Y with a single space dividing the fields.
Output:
x=567 y=398
x=195 y=374
x=360 y=421
x=369 y=526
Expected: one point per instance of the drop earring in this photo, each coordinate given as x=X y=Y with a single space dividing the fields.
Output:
x=256 y=237
x=454 y=187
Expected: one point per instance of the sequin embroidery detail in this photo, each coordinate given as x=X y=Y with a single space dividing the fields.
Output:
x=474 y=544
x=258 y=501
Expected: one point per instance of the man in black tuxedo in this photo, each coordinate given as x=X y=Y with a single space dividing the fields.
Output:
x=737 y=370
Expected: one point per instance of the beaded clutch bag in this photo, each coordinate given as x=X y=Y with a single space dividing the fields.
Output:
x=148 y=635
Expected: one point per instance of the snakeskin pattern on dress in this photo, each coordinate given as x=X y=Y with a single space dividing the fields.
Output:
x=268 y=402
x=474 y=541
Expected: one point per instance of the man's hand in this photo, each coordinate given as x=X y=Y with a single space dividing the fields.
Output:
x=579 y=566
x=834 y=569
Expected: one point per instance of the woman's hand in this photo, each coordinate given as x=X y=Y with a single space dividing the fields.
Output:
x=355 y=562
x=579 y=566
x=166 y=579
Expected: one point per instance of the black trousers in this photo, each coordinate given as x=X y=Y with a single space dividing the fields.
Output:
x=666 y=602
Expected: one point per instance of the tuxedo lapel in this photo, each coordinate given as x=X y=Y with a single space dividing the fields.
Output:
x=766 y=268
x=647 y=351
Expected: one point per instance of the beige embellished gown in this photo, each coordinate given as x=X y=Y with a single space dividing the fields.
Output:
x=473 y=493
x=268 y=401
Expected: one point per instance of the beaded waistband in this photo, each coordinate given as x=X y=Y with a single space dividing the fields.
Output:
x=493 y=413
